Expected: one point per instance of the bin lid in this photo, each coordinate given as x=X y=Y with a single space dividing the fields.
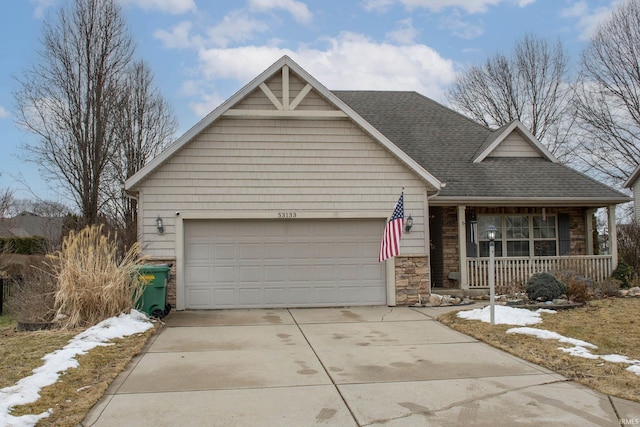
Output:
x=153 y=268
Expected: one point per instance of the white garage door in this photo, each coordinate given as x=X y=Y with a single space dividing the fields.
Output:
x=287 y=263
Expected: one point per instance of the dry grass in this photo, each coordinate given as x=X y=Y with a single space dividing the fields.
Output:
x=93 y=284
x=611 y=324
x=78 y=389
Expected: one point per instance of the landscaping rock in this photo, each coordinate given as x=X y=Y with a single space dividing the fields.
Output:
x=435 y=300
x=635 y=291
x=560 y=301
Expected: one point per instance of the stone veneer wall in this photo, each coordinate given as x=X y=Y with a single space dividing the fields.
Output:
x=450 y=250
x=412 y=278
x=577 y=231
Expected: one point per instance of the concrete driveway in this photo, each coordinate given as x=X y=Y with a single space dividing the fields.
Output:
x=340 y=367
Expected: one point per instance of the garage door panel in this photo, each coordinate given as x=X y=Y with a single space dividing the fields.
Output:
x=224 y=251
x=299 y=263
x=248 y=274
x=251 y=296
x=198 y=297
x=198 y=274
x=250 y=251
x=198 y=251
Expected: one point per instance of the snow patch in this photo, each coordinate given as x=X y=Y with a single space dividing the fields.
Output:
x=27 y=390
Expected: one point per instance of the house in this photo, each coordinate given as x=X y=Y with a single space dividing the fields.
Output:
x=279 y=197
x=630 y=183
x=29 y=224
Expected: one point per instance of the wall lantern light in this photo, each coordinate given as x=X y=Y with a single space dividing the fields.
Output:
x=159 y=225
x=408 y=224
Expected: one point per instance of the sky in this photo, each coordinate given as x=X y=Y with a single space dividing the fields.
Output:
x=201 y=52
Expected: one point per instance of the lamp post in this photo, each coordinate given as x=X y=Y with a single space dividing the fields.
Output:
x=491 y=235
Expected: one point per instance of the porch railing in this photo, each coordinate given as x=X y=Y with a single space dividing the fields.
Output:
x=509 y=271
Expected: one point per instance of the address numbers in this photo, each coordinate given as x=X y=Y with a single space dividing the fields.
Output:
x=286 y=215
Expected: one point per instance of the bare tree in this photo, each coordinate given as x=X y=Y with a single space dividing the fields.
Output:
x=608 y=96
x=531 y=85
x=147 y=124
x=6 y=202
x=70 y=100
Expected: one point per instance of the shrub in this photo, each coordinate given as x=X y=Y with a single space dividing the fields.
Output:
x=607 y=288
x=32 y=297
x=24 y=245
x=544 y=287
x=624 y=273
x=579 y=288
x=92 y=283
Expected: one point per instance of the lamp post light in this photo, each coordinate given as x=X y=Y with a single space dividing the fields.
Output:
x=491 y=235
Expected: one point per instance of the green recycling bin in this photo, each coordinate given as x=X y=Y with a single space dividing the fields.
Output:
x=154 y=296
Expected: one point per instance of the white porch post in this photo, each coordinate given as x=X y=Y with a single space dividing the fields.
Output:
x=462 y=247
x=613 y=236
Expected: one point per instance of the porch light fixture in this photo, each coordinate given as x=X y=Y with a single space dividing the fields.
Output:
x=159 y=225
x=408 y=224
x=491 y=235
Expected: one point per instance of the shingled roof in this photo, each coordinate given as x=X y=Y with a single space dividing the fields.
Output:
x=445 y=143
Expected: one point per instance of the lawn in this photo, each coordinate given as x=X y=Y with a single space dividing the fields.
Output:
x=78 y=389
x=611 y=324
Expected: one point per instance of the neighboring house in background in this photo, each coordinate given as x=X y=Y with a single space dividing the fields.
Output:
x=28 y=224
x=279 y=197
x=631 y=183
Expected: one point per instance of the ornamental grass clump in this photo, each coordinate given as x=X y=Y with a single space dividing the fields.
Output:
x=94 y=283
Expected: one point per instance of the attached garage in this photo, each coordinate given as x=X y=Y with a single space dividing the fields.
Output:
x=279 y=198
x=283 y=263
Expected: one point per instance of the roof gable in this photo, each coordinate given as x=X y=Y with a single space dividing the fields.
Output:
x=446 y=143
x=279 y=101
x=631 y=181
x=500 y=143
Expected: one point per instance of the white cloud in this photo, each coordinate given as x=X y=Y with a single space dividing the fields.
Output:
x=350 y=61
x=174 y=7
x=179 y=36
x=235 y=27
x=4 y=114
x=469 y=6
x=459 y=27
x=587 y=19
x=41 y=7
x=207 y=104
x=297 y=9
x=405 y=33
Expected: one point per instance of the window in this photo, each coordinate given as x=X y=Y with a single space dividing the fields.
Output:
x=517 y=227
x=544 y=236
x=483 y=241
x=519 y=235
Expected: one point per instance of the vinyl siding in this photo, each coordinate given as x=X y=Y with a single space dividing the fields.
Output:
x=259 y=167
x=636 y=200
x=515 y=145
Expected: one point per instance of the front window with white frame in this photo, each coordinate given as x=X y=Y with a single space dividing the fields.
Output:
x=519 y=235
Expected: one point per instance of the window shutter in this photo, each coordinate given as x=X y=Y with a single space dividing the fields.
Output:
x=472 y=237
x=564 y=235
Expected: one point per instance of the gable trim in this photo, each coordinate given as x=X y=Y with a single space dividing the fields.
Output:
x=629 y=183
x=513 y=126
x=285 y=63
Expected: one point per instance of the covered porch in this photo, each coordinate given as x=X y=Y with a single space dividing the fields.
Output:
x=531 y=240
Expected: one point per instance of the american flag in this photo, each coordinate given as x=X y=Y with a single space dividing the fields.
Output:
x=390 y=245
